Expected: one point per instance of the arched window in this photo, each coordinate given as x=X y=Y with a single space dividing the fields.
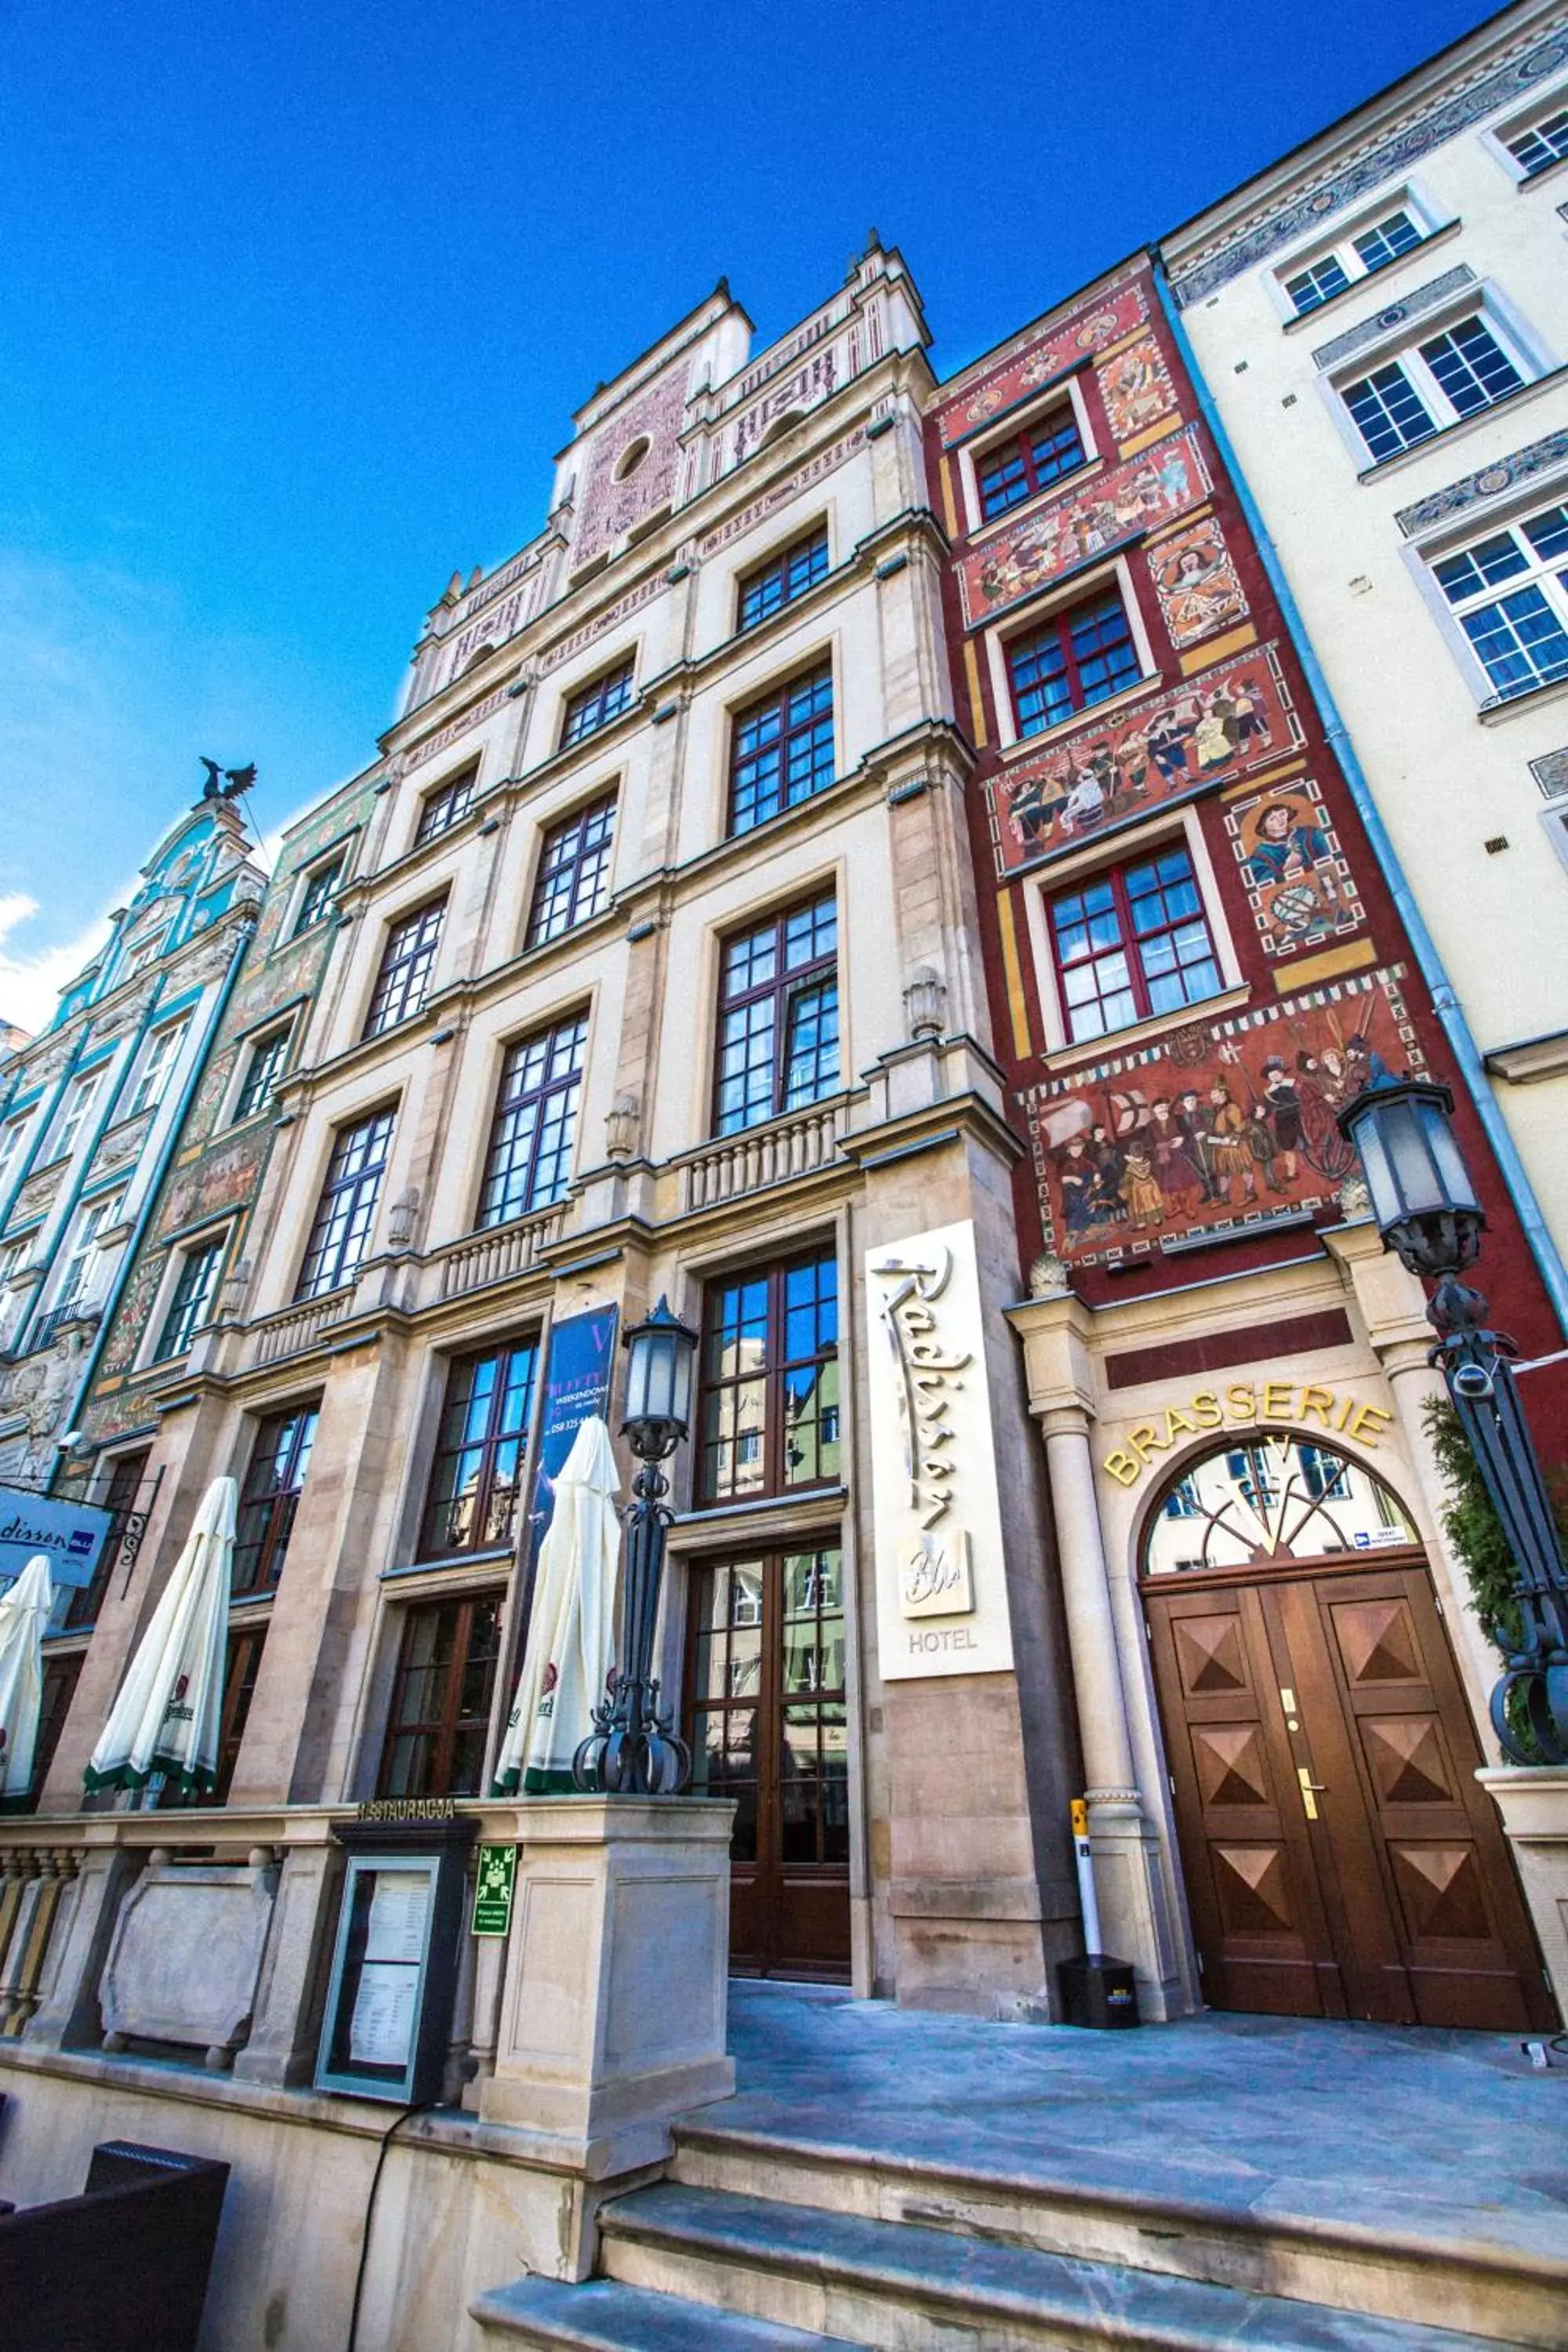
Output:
x=1266 y=1498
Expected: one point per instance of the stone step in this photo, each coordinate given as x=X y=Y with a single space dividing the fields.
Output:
x=1388 y=2268
x=898 y=2285
x=602 y=2316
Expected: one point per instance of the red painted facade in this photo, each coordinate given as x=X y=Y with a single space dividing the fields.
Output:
x=1181 y=1146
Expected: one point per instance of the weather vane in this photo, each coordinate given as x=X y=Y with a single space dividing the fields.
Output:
x=225 y=783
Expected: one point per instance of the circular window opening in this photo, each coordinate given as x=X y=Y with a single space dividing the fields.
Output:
x=1271 y=1496
x=631 y=457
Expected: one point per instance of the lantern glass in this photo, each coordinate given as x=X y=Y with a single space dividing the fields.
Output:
x=658 y=1377
x=1422 y=1196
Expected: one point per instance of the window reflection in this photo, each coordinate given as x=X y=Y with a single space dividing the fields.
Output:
x=1277 y=1499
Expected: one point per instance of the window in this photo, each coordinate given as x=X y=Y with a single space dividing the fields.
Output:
x=96 y=1217
x=443 y=807
x=159 y=1057
x=769 y=1407
x=781 y=750
x=593 y=707
x=241 y=1665
x=1373 y=248
x=574 y=871
x=128 y=1504
x=476 y=1478
x=1449 y=377
x=191 y=1305
x=1519 y=634
x=1541 y=145
x=783 y=578
x=529 y=1163
x=11 y=1141
x=78 y=1104
x=60 y=1678
x=145 y=952
x=346 y=1210
x=1131 y=943
x=1031 y=461
x=270 y=1499
x=316 y=899
x=778 y=1016
x=404 y=980
x=441 y=1703
x=1076 y=658
x=268 y=1055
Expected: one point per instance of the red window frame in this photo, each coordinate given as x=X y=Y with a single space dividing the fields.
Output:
x=453 y=1702
x=1082 y=671
x=1114 y=911
x=1009 y=473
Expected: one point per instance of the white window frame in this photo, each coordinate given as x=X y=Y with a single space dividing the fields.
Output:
x=1480 y=300
x=338 y=856
x=1077 y=590
x=1423 y=555
x=72 y=1285
x=74 y=1112
x=1513 y=125
x=155 y=1066
x=12 y=1137
x=1007 y=429
x=251 y=1045
x=1180 y=827
x=1555 y=820
x=1339 y=243
x=215 y=1237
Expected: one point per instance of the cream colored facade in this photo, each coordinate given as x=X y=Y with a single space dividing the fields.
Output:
x=1470 y=777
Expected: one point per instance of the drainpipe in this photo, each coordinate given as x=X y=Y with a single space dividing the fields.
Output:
x=150 y=1199
x=1449 y=1012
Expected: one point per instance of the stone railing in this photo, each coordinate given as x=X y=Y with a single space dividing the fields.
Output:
x=296 y=1327
x=767 y=1155
x=36 y=1880
x=498 y=1257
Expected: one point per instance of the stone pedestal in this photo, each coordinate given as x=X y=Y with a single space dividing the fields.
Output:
x=614 y=2007
x=1534 y=1802
x=280 y=2049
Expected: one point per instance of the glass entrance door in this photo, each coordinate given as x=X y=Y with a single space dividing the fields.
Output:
x=769 y=1726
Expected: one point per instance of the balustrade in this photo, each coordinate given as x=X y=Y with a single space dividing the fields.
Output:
x=766 y=1155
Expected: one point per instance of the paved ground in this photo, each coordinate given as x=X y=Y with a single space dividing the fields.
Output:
x=1447 y=2136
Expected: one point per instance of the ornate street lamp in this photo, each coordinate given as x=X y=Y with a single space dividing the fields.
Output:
x=633 y=1750
x=1427 y=1211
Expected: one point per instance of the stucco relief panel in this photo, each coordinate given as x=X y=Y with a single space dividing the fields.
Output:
x=1196 y=583
x=1297 y=876
x=1137 y=388
x=1115 y=508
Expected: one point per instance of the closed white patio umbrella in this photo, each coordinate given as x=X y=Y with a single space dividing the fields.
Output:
x=572 y=1628
x=167 y=1717
x=24 y=1614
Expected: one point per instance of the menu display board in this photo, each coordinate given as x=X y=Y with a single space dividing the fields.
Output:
x=389 y=2002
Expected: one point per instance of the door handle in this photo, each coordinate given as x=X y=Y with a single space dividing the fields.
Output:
x=1310 y=1790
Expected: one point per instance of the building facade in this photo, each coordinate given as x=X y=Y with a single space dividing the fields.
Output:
x=656 y=975
x=1381 y=323
x=1195 y=960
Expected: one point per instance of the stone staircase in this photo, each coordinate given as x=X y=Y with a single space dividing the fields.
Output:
x=754 y=2243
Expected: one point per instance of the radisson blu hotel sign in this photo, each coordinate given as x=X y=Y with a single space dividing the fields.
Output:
x=71 y=1536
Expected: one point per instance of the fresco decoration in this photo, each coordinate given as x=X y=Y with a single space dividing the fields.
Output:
x=1137 y=387
x=1213 y=728
x=609 y=507
x=1217 y=1124
x=130 y=1315
x=1297 y=877
x=1116 y=507
x=225 y=1179
x=1196 y=582
x=1128 y=307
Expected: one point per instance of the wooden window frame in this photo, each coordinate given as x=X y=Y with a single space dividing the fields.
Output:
x=127 y=1476
x=573 y=868
x=776 y=1368
x=592 y=708
x=489 y=1447
x=1058 y=627
x=241 y=1665
x=269 y=1052
x=277 y=1499
x=500 y=1201
x=1130 y=941
x=1026 y=446
x=797 y=568
x=789 y=987
x=194 y=1291
x=407 y=958
x=341 y=1256
x=445 y=805
x=449 y=1725
x=770 y=774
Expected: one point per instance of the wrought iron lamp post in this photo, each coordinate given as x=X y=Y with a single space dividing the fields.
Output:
x=632 y=1750
x=1427 y=1211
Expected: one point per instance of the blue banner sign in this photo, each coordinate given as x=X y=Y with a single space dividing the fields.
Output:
x=578 y=1373
x=71 y=1536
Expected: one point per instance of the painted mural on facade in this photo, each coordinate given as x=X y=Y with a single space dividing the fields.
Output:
x=1137 y=387
x=1196 y=582
x=1297 y=876
x=1051 y=357
x=1117 y=507
x=1217 y=1124
x=610 y=499
x=1213 y=730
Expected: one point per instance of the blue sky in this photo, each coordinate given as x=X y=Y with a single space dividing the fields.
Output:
x=299 y=299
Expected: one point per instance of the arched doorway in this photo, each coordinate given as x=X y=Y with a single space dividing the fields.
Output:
x=1340 y=1858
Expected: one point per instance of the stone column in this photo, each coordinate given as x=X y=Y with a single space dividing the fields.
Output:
x=280 y=2050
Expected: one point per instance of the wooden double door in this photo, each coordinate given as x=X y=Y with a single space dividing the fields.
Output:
x=1340 y=1858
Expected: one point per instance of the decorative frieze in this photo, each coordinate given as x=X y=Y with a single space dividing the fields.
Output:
x=565 y=648
x=1057 y=355
x=781 y=493
x=431 y=747
x=1488 y=481
x=1414 y=305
